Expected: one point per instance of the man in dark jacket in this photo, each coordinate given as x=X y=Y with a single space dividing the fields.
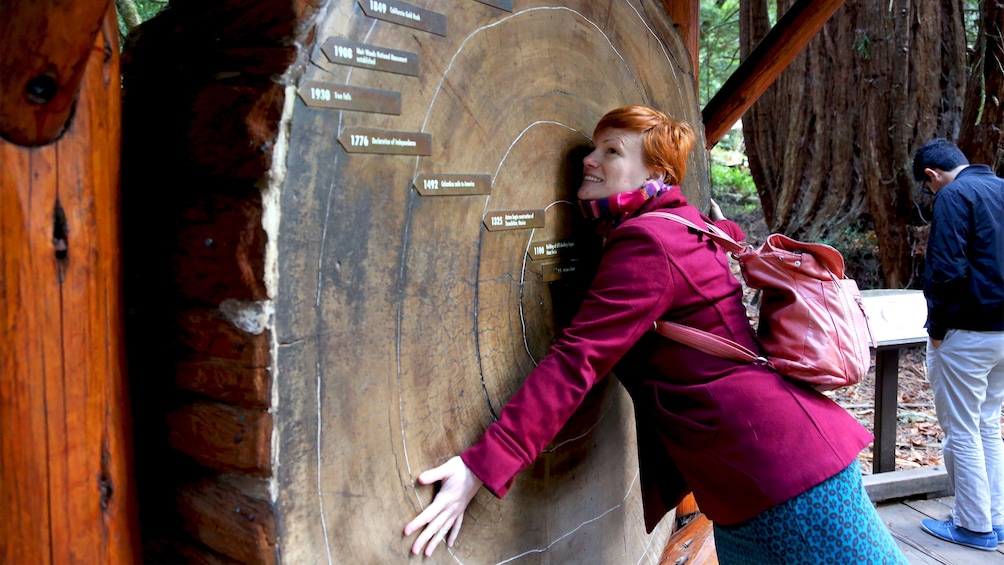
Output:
x=964 y=286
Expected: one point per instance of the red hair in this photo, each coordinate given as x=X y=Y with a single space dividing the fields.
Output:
x=667 y=142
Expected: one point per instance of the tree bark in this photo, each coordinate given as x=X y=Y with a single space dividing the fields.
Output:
x=129 y=14
x=830 y=143
x=982 y=137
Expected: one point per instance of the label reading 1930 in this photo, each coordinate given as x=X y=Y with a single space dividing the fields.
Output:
x=355 y=54
x=402 y=13
x=344 y=97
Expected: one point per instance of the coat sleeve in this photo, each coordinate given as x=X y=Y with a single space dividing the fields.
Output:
x=631 y=290
x=731 y=228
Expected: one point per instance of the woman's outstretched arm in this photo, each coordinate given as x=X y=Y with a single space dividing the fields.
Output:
x=446 y=512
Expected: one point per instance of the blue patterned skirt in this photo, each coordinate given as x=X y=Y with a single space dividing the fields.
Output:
x=833 y=522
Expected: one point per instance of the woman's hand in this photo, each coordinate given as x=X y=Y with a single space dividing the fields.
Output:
x=446 y=512
x=716 y=211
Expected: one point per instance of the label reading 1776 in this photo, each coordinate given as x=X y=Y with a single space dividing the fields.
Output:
x=366 y=140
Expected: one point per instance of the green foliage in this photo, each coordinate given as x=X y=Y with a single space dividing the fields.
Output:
x=731 y=183
x=719 y=53
x=858 y=244
x=145 y=9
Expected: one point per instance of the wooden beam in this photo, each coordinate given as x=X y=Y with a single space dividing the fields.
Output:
x=229 y=520
x=223 y=437
x=66 y=484
x=925 y=482
x=44 y=47
x=759 y=70
x=686 y=15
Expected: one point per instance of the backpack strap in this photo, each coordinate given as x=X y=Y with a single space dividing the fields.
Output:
x=707 y=342
x=714 y=232
x=701 y=340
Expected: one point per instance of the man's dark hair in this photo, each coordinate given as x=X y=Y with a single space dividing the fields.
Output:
x=939 y=153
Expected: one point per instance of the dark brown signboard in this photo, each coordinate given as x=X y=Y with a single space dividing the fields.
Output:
x=501 y=4
x=403 y=13
x=558 y=270
x=514 y=220
x=366 y=140
x=344 y=97
x=345 y=52
x=452 y=184
x=550 y=249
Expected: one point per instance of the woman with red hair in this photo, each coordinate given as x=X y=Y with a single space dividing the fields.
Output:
x=771 y=461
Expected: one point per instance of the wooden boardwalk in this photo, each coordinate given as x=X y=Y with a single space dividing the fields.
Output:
x=903 y=519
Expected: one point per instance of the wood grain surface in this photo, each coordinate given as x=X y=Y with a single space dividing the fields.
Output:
x=65 y=478
x=402 y=325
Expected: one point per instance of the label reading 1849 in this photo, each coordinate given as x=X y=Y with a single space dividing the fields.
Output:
x=405 y=14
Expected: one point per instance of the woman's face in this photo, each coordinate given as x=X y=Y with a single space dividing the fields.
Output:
x=616 y=164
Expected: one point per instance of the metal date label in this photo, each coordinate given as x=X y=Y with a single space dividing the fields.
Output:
x=344 y=97
x=500 y=4
x=354 y=54
x=366 y=140
x=514 y=220
x=452 y=184
x=558 y=270
x=550 y=249
x=402 y=13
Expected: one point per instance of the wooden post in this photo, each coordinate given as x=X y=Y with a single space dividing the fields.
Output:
x=759 y=70
x=65 y=484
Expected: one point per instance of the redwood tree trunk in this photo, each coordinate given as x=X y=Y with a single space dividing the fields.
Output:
x=831 y=141
x=982 y=135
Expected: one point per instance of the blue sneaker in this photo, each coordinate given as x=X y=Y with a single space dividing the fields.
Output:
x=948 y=531
x=999 y=530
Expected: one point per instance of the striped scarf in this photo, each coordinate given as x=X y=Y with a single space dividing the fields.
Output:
x=609 y=212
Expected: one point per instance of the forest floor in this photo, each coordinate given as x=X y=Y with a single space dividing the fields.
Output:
x=918 y=434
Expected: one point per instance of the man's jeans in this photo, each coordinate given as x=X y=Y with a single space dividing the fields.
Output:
x=967 y=377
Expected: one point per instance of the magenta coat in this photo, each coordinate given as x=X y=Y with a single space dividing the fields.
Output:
x=740 y=436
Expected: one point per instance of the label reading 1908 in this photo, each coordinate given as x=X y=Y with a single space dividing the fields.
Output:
x=355 y=54
x=514 y=220
x=344 y=97
x=402 y=13
x=443 y=184
x=366 y=140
